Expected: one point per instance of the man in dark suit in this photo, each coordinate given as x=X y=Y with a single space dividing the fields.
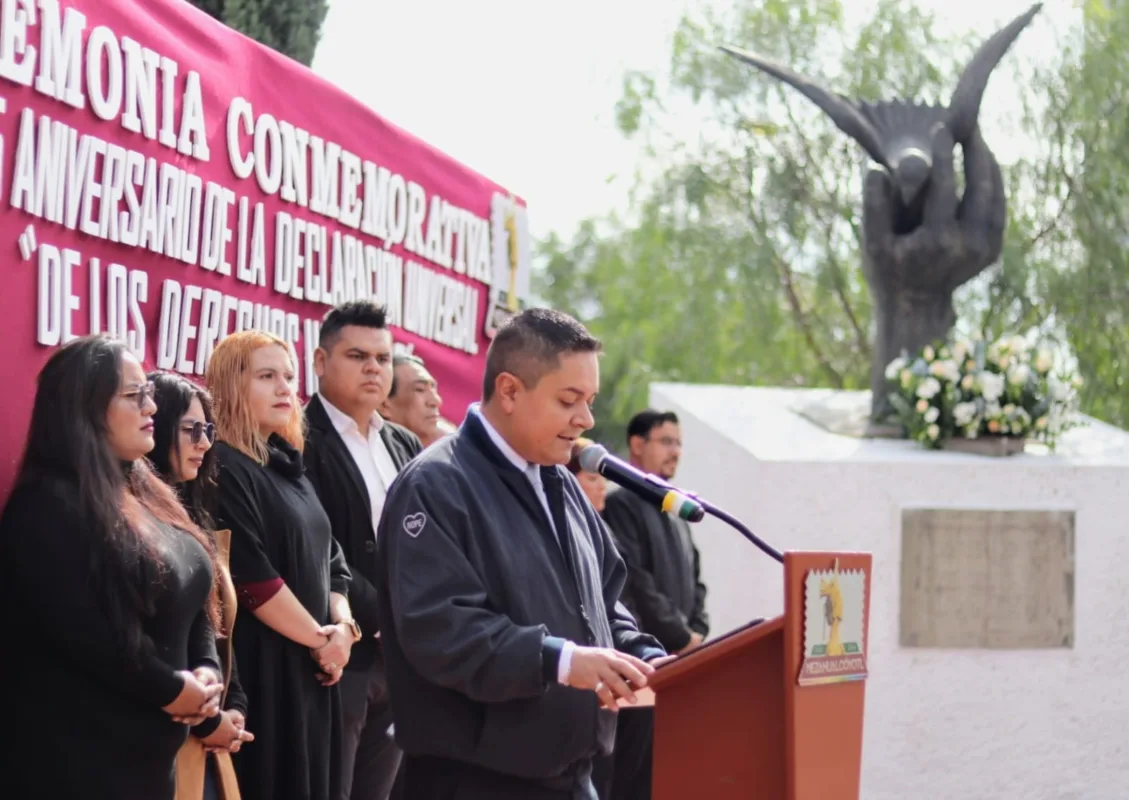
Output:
x=352 y=456
x=664 y=587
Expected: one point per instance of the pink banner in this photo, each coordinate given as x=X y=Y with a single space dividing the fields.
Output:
x=169 y=181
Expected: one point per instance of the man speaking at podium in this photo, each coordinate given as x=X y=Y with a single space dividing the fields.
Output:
x=505 y=641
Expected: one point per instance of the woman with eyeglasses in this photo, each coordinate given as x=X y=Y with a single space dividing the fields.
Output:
x=105 y=593
x=293 y=636
x=184 y=432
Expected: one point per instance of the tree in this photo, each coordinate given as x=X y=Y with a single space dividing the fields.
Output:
x=291 y=27
x=1080 y=266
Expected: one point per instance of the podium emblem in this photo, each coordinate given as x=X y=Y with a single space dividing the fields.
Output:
x=834 y=613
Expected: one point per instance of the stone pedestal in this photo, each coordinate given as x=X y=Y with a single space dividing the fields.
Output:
x=997 y=630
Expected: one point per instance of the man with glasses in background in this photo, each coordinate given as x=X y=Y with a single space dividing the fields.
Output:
x=664 y=587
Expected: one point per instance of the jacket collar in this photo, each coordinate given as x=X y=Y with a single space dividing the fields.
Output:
x=324 y=416
x=474 y=432
x=318 y=420
x=316 y=416
x=343 y=423
x=497 y=439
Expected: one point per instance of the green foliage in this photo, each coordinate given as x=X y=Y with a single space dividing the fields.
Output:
x=1086 y=272
x=1065 y=269
x=291 y=27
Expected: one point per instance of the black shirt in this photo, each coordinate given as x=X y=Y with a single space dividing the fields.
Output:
x=85 y=719
x=280 y=530
x=664 y=582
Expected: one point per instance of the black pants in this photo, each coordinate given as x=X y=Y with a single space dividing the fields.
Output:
x=428 y=778
x=369 y=755
x=626 y=773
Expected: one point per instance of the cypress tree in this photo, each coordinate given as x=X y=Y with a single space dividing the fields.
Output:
x=291 y=27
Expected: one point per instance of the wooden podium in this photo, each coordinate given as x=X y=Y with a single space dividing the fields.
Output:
x=733 y=720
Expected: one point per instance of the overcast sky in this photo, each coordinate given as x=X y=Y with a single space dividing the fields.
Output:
x=524 y=92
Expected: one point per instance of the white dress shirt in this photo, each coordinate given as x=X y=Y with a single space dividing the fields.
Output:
x=533 y=474
x=370 y=455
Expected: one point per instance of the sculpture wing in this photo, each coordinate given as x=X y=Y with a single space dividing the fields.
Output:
x=843 y=113
x=964 y=107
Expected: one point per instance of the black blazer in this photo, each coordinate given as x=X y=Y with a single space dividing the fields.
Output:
x=664 y=588
x=341 y=489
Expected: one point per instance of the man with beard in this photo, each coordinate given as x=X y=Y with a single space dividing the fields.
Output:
x=664 y=587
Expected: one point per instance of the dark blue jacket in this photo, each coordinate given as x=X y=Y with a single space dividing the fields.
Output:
x=476 y=601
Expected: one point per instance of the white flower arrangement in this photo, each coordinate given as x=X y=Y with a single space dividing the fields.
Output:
x=972 y=388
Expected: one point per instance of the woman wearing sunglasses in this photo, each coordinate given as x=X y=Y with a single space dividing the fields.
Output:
x=183 y=433
x=105 y=593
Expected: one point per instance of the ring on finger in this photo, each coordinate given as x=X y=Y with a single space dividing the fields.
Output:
x=599 y=687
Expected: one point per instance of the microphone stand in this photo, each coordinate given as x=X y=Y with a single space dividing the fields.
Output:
x=740 y=527
x=706 y=506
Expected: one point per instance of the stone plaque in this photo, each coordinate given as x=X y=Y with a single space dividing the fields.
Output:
x=987 y=579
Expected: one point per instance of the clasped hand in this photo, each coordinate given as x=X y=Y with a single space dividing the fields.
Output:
x=199 y=699
x=230 y=735
x=334 y=654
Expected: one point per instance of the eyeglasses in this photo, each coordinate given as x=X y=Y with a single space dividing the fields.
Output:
x=141 y=393
x=199 y=429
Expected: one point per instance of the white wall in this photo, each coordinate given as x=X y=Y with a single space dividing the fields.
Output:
x=940 y=724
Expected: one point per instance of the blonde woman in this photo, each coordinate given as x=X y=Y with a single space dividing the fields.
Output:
x=295 y=633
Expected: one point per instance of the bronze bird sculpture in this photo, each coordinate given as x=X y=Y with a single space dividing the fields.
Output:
x=921 y=241
x=898 y=134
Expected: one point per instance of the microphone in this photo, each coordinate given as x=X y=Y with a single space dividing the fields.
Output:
x=596 y=458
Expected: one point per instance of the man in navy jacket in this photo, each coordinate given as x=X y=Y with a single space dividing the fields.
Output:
x=507 y=649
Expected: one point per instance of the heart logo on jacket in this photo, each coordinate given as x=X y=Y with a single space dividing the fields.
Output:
x=413 y=524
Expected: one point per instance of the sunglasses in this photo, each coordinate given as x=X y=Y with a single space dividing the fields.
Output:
x=141 y=393
x=198 y=430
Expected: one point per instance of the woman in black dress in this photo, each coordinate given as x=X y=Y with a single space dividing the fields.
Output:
x=184 y=431
x=105 y=593
x=294 y=634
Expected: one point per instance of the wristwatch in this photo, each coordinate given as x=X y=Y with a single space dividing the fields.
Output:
x=353 y=627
